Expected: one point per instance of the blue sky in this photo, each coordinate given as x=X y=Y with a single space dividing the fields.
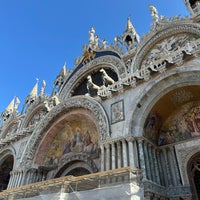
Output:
x=38 y=36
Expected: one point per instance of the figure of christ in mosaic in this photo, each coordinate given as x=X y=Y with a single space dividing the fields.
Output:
x=75 y=137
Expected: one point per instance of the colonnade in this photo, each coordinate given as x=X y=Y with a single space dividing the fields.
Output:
x=159 y=163
x=24 y=177
x=118 y=153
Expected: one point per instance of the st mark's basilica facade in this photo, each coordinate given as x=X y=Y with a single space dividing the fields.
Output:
x=123 y=124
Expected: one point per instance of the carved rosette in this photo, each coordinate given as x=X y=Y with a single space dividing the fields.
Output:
x=75 y=102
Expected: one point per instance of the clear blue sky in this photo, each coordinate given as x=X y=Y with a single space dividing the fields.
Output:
x=38 y=36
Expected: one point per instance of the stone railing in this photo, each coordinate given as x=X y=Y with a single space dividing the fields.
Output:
x=70 y=184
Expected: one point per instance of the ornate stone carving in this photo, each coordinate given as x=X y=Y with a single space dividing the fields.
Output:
x=174 y=28
x=110 y=61
x=64 y=107
x=184 y=152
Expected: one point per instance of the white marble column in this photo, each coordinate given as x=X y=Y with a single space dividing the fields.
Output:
x=131 y=153
x=107 y=156
x=15 y=179
x=125 y=154
x=141 y=156
x=113 y=151
x=119 y=154
x=102 y=158
x=10 y=180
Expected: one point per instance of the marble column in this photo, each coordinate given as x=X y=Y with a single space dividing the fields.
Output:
x=33 y=174
x=113 y=151
x=20 y=179
x=131 y=153
x=125 y=154
x=168 y=175
x=141 y=156
x=151 y=161
x=119 y=154
x=10 y=180
x=107 y=156
x=160 y=166
x=15 y=179
x=147 y=162
x=156 y=165
x=177 y=172
x=102 y=158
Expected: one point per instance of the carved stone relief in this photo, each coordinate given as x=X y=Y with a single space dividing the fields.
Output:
x=157 y=38
x=109 y=61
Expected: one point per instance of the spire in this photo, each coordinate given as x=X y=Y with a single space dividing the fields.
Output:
x=63 y=71
x=34 y=91
x=129 y=25
x=130 y=36
x=11 y=106
x=33 y=94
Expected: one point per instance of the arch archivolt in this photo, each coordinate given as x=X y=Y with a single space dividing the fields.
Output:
x=154 y=38
x=111 y=62
x=71 y=162
x=7 y=152
x=34 y=112
x=11 y=128
x=136 y=118
x=56 y=114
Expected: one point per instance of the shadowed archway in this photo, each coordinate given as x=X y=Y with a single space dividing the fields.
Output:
x=5 y=169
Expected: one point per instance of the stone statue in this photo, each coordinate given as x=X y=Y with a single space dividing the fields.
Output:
x=92 y=87
x=43 y=87
x=104 y=43
x=55 y=100
x=46 y=105
x=154 y=13
x=96 y=41
x=107 y=80
x=91 y=36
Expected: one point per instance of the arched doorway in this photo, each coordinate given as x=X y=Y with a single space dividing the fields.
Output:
x=5 y=168
x=77 y=167
x=79 y=171
x=174 y=117
x=194 y=175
